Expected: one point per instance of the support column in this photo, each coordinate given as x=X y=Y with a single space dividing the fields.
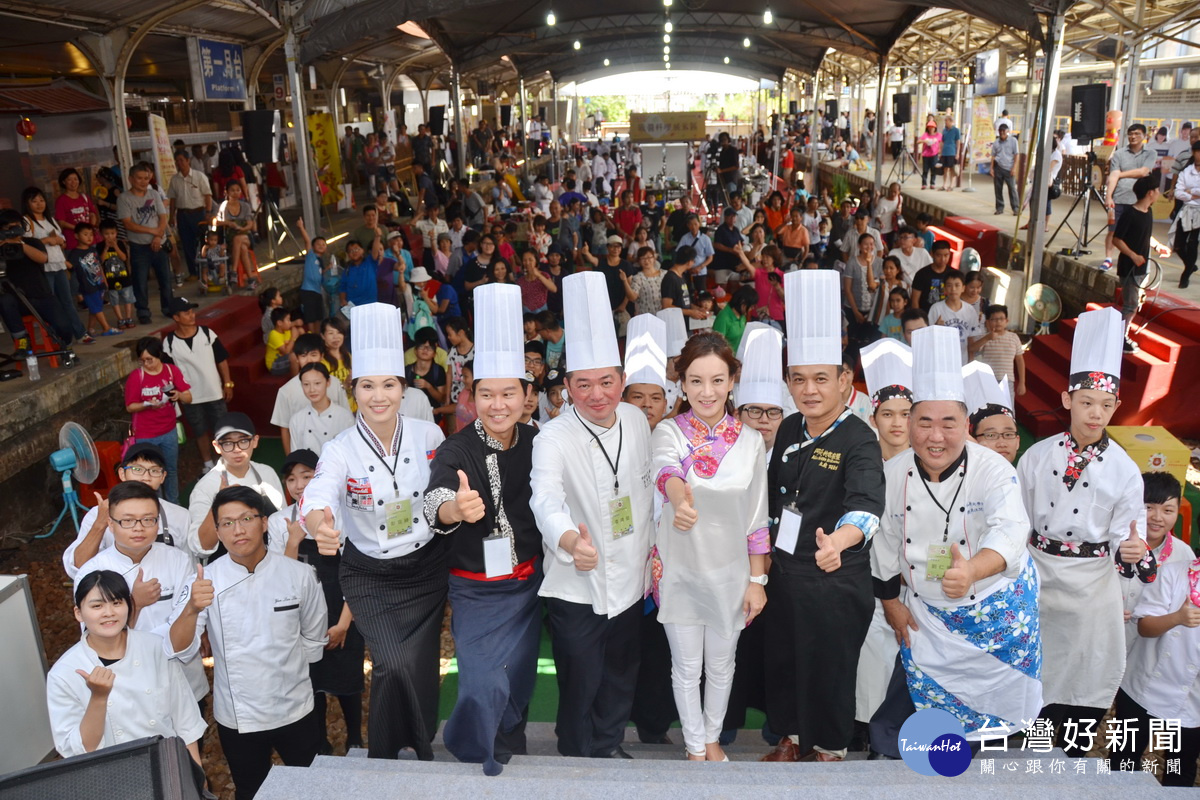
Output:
x=556 y=129
x=304 y=169
x=459 y=133
x=519 y=121
x=1133 y=75
x=812 y=184
x=880 y=136
x=918 y=122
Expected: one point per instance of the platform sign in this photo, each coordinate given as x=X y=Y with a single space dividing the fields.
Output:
x=990 y=69
x=218 y=70
x=941 y=72
x=280 y=87
x=673 y=126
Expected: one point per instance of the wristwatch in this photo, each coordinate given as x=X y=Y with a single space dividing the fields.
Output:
x=761 y=580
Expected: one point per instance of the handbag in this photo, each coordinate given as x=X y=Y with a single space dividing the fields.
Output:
x=1055 y=190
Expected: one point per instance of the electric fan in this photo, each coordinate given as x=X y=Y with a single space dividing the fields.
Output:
x=970 y=261
x=1043 y=306
x=76 y=455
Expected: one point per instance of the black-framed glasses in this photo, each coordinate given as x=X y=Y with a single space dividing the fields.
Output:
x=237 y=444
x=1007 y=436
x=138 y=471
x=130 y=524
x=246 y=521
x=757 y=412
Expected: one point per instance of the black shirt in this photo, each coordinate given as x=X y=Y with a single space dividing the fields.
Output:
x=928 y=285
x=677 y=221
x=728 y=159
x=1134 y=229
x=436 y=376
x=675 y=289
x=612 y=281
x=25 y=273
x=728 y=236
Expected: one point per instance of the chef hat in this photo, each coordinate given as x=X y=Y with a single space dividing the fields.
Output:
x=750 y=328
x=499 y=332
x=377 y=341
x=591 y=337
x=985 y=397
x=676 y=330
x=762 y=367
x=814 y=320
x=887 y=366
x=937 y=364
x=1096 y=351
x=646 y=351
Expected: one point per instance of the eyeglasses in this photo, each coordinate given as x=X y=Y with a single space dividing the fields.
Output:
x=137 y=472
x=245 y=522
x=240 y=444
x=144 y=522
x=1007 y=436
x=147 y=361
x=757 y=412
x=535 y=360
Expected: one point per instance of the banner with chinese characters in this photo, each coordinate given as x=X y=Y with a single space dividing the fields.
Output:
x=164 y=157
x=327 y=159
x=671 y=126
x=218 y=71
x=941 y=72
x=983 y=131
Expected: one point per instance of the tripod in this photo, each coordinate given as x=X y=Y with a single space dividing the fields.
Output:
x=274 y=218
x=1081 y=236
x=11 y=359
x=901 y=164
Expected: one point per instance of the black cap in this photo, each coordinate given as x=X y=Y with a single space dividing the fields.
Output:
x=140 y=449
x=302 y=456
x=179 y=304
x=234 y=422
x=555 y=377
x=731 y=212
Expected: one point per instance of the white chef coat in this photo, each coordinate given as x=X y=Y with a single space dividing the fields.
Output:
x=415 y=405
x=290 y=399
x=265 y=628
x=311 y=429
x=573 y=484
x=172 y=520
x=1132 y=591
x=174 y=570
x=1164 y=672
x=150 y=696
x=353 y=480
x=277 y=533
x=1083 y=637
x=860 y=404
x=258 y=477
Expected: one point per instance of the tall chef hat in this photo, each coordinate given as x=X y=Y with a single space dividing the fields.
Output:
x=646 y=351
x=761 y=381
x=676 y=330
x=937 y=364
x=985 y=396
x=377 y=340
x=887 y=365
x=499 y=332
x=1096 y=351
x=814 y=320
x=591 y=338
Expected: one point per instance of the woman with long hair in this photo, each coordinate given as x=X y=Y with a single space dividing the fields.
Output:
x=237 y=219
x=43 y=227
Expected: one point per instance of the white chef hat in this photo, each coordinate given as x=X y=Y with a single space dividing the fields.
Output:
x=887 y=366
x=814 y=317
x=676 y=330
x=499 y=332
x=646 y=351
x=750 y=328
x=377 y=341
x=591 y=336
x=1096 y=351
x=761 y=380
x=937 y=364
x=985 y=396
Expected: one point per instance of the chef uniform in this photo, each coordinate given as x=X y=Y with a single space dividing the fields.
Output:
x=887 y=366
x=1169 y=550
x=259 y=477
x=977 y=657
x=495 y=563
x=1080 y=506
x=172 y=531
x=393 y=569
x=677 y=337
x=585 y=474
x=816 y=621
x=985 y=396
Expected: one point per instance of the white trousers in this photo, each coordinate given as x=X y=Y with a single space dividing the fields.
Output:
x=697 y=649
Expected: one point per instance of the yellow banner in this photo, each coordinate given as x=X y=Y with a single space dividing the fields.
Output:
x=327 y=157
x=164 y=158
x=670 y=126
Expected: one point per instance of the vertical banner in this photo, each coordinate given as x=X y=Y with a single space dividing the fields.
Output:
x=983 y=131
x=327 y=157
x=941 y=72
x=164 y=158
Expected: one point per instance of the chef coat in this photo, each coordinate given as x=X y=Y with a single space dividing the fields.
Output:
x=290 y=399
x=311 y=429
x=357 y=480
x=1164 y=672
x=149 y=697
x=265 y=628
x=1132 y=591
x=572 y=484
x=172 y=524
x=258 y=477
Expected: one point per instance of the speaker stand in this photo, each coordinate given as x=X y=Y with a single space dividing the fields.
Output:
x=1082 y=238
x=901 y=164
x=274 y=219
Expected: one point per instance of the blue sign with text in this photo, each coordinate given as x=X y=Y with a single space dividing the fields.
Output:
x=219 y=71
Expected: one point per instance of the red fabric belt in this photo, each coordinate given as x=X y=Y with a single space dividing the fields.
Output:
x=520 y=573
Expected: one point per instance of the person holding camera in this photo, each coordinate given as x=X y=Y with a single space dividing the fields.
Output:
x=151 y=393
x=23 y=260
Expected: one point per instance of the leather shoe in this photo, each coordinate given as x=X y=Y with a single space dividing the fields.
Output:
x=617 y=753
x=647 y=737
x=875 y=755
x=786 y=751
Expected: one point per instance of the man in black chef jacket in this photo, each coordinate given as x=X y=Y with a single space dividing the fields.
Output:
x=825 y=493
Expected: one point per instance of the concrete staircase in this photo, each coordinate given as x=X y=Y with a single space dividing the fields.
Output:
x=660 y=772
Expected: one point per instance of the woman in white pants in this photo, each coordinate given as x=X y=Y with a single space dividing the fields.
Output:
x=712 y=538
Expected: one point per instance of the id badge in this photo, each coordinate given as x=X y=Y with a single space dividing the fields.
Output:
x=399 y=517
x=937 y=562
x=621 y=513
x=789 y=530
x=497 y=556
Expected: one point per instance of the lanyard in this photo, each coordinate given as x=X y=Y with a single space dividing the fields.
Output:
x=613 y=465
x=953 y=500
x=165 y=537
x=807 y=448
x=395 y=459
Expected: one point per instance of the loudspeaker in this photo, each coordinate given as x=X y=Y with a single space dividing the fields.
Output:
x=437 y=120
x=902 y=108
x=260 y=136
x=793 y=107
x=505 y=116
x=542 y=113
x=1089 y=103
x=482 y=88
x=146 y=769
x=831 y=110
x=945 y=99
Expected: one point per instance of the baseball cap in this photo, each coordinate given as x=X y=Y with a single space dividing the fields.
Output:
x=234 y=422
x=148 y=449
x=615 y=240
x=302 y=456
x=179 y=304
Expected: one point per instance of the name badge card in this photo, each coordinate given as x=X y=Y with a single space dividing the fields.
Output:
x=399 y=517
x=621 y=512
x=938 y=562
x=497 y=556
x=789 y=530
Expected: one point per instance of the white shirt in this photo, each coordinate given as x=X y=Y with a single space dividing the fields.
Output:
x=258 y=477
x=188 y=192
x=311 y=429
x=965 y=320
x=150 y=696
x=1163 y=674
x=198 y=363
x=265 y=628
x=172 y=522
x=1131 y=591
x=416 y=405
x=569 y=489
x=429 y=231
x=918 y=259
x=542 y=197
x=1003 y=122
x=290 y=399
x=356 y=482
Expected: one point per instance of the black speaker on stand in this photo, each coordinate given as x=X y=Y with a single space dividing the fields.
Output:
x=793 y=107
x=505 y=116
x=902 y=108
x=1089 y=104
x=146 y=769
x=437 y=120
x=260 y=136
x=831 y=110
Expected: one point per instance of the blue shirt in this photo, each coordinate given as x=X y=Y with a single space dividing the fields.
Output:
x=312 y=273
x=358 y=282
x=950 y=137
x=702 y=245
x=446 y=292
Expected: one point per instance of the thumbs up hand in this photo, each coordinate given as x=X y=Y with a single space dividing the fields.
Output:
x=959 y=577
x=468 y=504
x=829 y=555
x=685 y=510
x=100 y=681
x=202 y=594
x=328 y=538
x=1133 y=549
x=1189 y=615
x=101 y=510
x=584 y=551
x=224 y=479
x=145 y=592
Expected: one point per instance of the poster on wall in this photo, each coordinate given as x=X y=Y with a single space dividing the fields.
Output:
x=160 y=147
x=218 y=71
x=326 y=157
x=672 y=126
x=990 y=70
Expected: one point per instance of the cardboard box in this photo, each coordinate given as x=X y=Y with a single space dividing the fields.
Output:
x=1153 y=449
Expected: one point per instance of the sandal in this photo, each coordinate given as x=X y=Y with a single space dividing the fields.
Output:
x=110 y=332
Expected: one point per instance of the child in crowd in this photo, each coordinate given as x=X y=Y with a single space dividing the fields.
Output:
x=312 y=300
x=555 y=395
x=279 y=355
x=893 y=278
x=954 y=312
x=530 y=327
x=114 y=260
x=1000 y=349
x=324 y=419
x=268 y=300
x=90 y=273
x=539 y=240
x=973 y=291
x=924 y=235
x=290 y=399
x=890 y=326
x=820 y=245
x=214 y=259
x=706 y=303
x=464 y=411
x=1162 y=494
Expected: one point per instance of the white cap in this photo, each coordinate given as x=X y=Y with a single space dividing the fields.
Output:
x=1096 y=351
x=591 y=336
x=813 y=299
x=499 y=332
x=937 y=364
x=377 y=341
x=885 y=363
x=762 y=367
x=646 y=351
x=982 y=388
x=676 y=330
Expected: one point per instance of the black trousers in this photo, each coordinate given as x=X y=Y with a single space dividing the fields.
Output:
x=1001 y=178
x=597 y=663
x=249 y=754
x=897 y=706
x=398 y=605
x=654 y=699
x=1060 y=714
x=1134 y=745
x=1187 y=244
